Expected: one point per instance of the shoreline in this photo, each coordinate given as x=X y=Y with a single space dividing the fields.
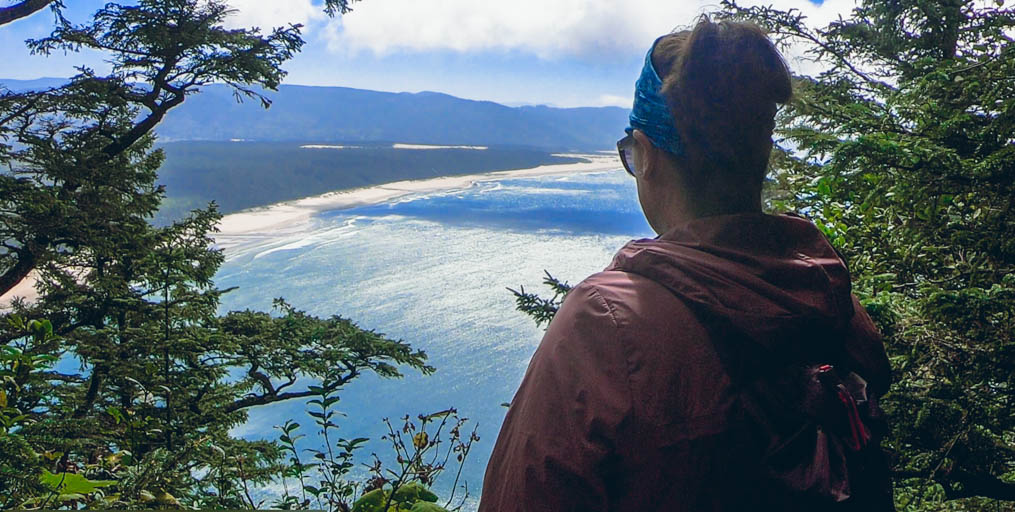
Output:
x=289 y=217
x=264 y=222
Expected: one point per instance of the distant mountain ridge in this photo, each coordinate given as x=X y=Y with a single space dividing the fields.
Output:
x=341 y=114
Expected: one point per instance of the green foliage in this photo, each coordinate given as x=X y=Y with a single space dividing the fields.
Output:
x=541 y=310
x=423 y=450
x=164 y=49
x=327 y=485
x=333 y=489
x=905 y=160
x=156 y=378
x=72 y=483
x=408 y=498
x=81 y=170
x=151 y=378
x=21 y=468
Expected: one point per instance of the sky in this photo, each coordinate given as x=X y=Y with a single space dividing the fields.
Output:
x=565 y=53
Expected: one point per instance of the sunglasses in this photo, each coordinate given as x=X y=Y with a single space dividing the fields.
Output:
x=625 y=147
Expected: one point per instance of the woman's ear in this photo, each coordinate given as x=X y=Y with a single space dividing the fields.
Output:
x=648 y=153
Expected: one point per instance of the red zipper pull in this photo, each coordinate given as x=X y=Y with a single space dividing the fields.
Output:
x=860 y=435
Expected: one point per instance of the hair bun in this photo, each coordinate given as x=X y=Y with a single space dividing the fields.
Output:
x=724 y=81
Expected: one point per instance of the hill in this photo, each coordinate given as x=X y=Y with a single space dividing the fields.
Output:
x=301 y=113
x=328 y=114
x=241 y=155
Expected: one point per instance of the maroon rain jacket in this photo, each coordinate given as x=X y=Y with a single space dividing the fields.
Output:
x=639 y=394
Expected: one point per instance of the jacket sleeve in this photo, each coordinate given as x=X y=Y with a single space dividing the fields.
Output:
x=556 y=447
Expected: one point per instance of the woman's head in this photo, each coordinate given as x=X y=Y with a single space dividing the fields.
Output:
x=722 y=83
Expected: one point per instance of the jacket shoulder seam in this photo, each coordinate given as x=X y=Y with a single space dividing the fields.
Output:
x=618 y=339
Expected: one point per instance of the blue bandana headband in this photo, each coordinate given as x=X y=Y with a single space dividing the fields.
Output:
x=650 y=113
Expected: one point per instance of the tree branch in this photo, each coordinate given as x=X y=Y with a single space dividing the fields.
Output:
x=94 y=387
x=263 y=380
x=292 y=380
x=253 y=400
x=14 y=275
x=142 y=128
x=986 y=486
x=21 y=10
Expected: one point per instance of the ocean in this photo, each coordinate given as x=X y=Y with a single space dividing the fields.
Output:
x=433 y=270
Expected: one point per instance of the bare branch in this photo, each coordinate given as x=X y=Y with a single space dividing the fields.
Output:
x=22 y=10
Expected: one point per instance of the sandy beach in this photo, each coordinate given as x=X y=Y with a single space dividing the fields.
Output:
x=270 y=222
x=257 y=224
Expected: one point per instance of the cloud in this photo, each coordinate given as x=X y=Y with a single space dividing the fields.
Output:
x=268 y=14
x=613 y=100
x=550 y=30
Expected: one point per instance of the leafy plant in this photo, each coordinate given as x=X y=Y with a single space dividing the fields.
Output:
x=423 y=449
x=21 y=467
x=422 y=454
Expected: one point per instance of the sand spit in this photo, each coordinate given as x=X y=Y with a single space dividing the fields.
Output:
x=327 y=146
x=258 y=224
x=271 y=222
x=430 y=146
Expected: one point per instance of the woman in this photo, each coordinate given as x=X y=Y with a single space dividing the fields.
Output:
x=725 y=364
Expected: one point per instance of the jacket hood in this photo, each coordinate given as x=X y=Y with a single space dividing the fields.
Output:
x=771 y=279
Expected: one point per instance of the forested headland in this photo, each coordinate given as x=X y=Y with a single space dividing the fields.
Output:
x=240 y=175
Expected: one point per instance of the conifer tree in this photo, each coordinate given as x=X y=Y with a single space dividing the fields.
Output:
x=903 y=152
x=906 y=159
x=124 y=395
